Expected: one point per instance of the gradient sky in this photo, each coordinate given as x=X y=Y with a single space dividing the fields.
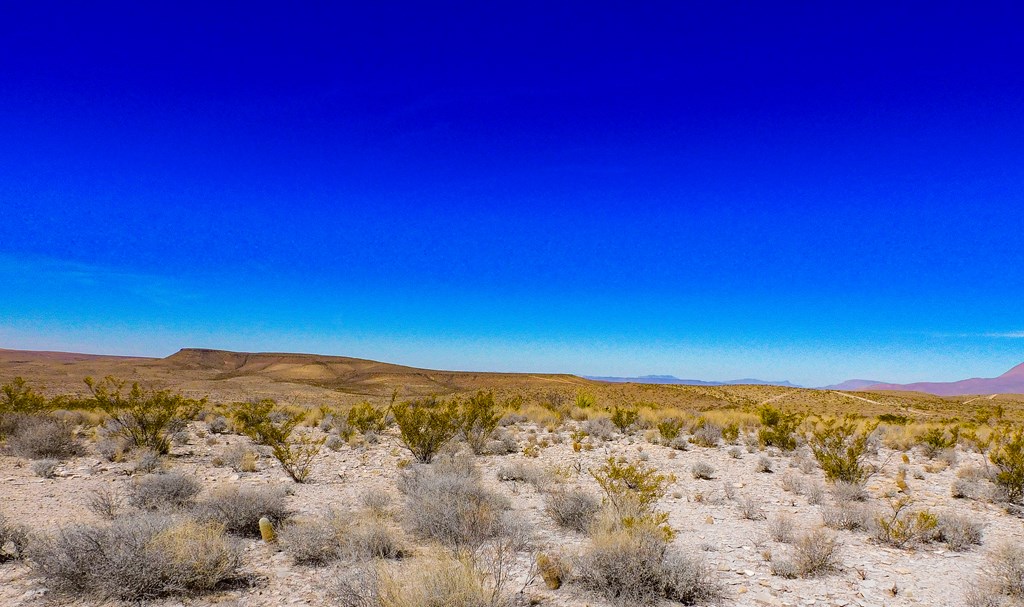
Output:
x=711 y=190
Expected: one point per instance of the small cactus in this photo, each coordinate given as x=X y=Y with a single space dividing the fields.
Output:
x=267 y=530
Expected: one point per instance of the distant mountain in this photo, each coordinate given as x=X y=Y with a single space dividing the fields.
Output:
x=1011 y=382
x=853 y=384
x=672 y=379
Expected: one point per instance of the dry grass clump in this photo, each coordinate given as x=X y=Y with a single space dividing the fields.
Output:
x=447 y=502
x=239 y=508
x=524 y=472
x=38 y=437
x=572 y=508
x=1002 y=584
x=780 y=528
x=333 y=536
x=850 y=516
x=136 y=558
x=813 y=553
x=167 y=490
x=845 y=492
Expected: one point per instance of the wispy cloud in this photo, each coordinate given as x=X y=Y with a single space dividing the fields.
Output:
x=156 y=288
x=1005 y=335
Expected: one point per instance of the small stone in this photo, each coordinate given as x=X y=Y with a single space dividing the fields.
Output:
x=710 y=520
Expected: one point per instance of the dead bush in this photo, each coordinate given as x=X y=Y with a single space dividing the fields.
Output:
x=45 y=468
x=161 y=491
x=750 y=509
x=43 y=438
x=813 y=553
x=447 y=502
x=572 y=508
x=844 y=492
x=958 y=532
x=523 y=472
x=240 y=508
x=780 y=528
x=764 y=465
x=105 y=502
x=13 y=540
x=707 y=435
x=136 y=558
x=600 y=427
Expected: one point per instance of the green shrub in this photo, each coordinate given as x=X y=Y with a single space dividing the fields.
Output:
x=670 y=428
x=731 y=432
x=257 y=421
x=1008 y=456
x=895 y=420
x=624 y=418
x=145 y=418
x=840 y=449
x=935 y=440
x=778 y=429
x=585 y=400
x=631 y=491
x=479 y=416
x=364 y=417
x=426 y=425
x=905 y=527
x=17 y=396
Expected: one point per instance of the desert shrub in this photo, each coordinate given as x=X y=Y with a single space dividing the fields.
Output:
x=136 y=558
x=364 y=417
x=376 y=501
x=148 y=461
x=1008 y=456
x=780 y=528
x=146 y=418
x=218 y=425
x=18 y=403
x=815 y=492
x=266 y=424
x=813 y=553
x=670 y=427
x=572 y=508
x=45 y=468
x=790 y=482
x=764 y=465
x=689 y=580
x=735 y=452
x=958 y=532
x=936 y=440
x=169 y=490
x=13 y=540
x=679 y=443
x=904 y=527
x=599 y=427
x=631 y=491
x=502 y=443
x=239 y=458
x=840 y=449
x=731 y=433
x=105 y=503
x=849 y=516
x=478 y=418
x=426 y=425
x=113 y=449
x=435 y=581
x=447 y=502
x=313 y=541
x=893 y=419
x=778 y=429
x=702 y=471
x=523 y=472
x=1007 y=565
x=750 y=509
x=239 y=508
x=37 y=437
x=634 y=567
x=623 y=418
x=844 y=491
x=706 y=434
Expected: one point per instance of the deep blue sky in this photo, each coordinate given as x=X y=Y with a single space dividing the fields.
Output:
x=714 y=190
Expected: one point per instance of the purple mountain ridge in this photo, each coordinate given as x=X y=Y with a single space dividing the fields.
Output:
x=1011 y=382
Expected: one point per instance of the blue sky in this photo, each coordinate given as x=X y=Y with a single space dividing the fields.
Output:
x=791 y=192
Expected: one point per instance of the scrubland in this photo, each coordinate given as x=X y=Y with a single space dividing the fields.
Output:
x=125 y=494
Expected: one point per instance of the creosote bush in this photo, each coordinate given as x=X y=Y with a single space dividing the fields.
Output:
x=136 y=558
x=364 y=417
x=266 y=424
x=146 y=418
x=426 y=425
x=778 y=429
x=631 y=492
x=904 y=527
x=623 y=418
x=670 y=427
x=1008 y=456
x=841 y=448
x=479 y=416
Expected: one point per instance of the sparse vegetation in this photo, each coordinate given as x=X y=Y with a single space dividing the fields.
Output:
x=478 y=418
x=239 y=508
x=572 y=508
x=146 y=418
x=840 y=448
x=266 y=424
x=778 y=429
x=426 y=425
